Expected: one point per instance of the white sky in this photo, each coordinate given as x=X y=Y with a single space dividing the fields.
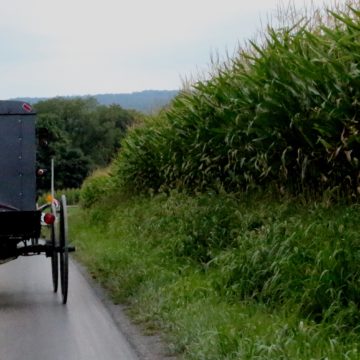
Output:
x=78 y=47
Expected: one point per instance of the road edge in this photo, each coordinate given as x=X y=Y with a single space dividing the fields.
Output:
x=146 y=347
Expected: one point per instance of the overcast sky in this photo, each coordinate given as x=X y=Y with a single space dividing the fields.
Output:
x=78 y=47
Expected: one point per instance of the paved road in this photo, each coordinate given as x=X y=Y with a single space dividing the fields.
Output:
x=35 y=325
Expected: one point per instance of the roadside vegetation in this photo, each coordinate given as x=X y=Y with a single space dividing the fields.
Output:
x=230 y=220
x=80 y=135
x=284 y=111
x=246 y=276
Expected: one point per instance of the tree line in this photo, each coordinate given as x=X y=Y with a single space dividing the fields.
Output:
x=80 y=134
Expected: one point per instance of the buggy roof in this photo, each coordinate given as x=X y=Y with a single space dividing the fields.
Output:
x=12 y=107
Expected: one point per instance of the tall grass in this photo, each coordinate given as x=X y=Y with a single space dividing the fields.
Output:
x=72 y=196
x=283 y=111
x=245 y=277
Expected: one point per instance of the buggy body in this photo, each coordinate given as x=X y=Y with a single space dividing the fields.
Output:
x=21 y=219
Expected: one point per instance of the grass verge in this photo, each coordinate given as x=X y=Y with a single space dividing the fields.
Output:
x=225 y=277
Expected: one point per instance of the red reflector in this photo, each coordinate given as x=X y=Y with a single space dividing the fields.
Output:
x=26 y=107
x=49 y=218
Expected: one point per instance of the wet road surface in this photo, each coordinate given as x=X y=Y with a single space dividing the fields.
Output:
x=35 y=325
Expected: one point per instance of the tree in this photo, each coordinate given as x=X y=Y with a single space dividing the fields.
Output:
x=80 y=135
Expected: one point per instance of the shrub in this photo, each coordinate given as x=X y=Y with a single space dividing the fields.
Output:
x=95 y=187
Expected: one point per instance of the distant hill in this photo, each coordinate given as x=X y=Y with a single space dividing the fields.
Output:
x=145 y=101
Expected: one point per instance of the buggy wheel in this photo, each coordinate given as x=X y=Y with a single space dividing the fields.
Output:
x=54 y=259
x=54 y=252
x=64 y=250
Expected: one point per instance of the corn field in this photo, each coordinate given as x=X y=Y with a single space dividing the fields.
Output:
x=284 y=111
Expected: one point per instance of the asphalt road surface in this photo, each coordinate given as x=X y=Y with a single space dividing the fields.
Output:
x=35 y=325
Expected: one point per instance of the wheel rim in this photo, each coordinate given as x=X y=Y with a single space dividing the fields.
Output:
x=64 y=251
x=54 y=259
x=54 y=252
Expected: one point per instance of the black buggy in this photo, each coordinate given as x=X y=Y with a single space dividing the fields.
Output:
x=21 y=220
